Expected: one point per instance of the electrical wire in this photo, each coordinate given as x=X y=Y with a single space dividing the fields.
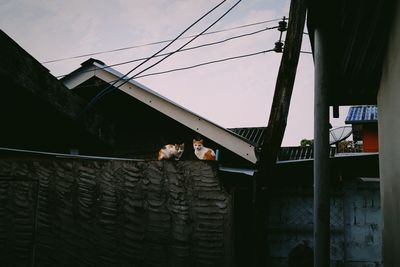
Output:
x=205 y=63
x=193 y=66
x=199 y=65
x=157 y=42
x=94 y=99
x=111 y=87
x=182 y=50
x=181 y=47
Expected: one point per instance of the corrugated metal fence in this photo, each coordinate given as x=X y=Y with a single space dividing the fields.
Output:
x=69 y=212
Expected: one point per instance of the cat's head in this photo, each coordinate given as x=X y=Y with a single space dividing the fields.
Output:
x=179 y=148
x=197 y=144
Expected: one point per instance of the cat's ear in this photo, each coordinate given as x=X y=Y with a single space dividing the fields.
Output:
x=183 y=145
x=194 y=140
x=201 y=141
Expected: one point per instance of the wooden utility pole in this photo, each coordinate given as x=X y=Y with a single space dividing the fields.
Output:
x=277 y=125
x=284 y=85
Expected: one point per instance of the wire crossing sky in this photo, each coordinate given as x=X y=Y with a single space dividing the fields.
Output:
x=154 y=43
x=114 y=85
x=185 y=44
x=182 y=50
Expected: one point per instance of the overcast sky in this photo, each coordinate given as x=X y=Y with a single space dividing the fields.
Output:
x=236 y=93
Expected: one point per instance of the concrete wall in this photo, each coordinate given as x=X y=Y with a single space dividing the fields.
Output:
x=355 y=224
x=389 y=146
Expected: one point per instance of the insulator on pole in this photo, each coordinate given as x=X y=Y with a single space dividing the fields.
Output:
x=282 y=25
x=278 y=47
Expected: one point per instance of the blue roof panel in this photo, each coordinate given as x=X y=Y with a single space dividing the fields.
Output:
x=362 y=114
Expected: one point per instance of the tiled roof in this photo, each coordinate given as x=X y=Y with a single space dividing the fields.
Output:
x=362 y=114
x=253 y=135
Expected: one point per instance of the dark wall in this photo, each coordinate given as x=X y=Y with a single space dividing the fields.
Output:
x=63 y=212
x=38 y=113
x=29 y=122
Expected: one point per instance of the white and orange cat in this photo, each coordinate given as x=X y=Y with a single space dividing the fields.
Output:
x=202 y=152
x=171 y=151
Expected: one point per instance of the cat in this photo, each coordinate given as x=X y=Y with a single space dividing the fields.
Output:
x=202 y=152
x=171 y=151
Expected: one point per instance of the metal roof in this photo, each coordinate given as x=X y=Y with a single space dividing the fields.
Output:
x=362 y=114
x=253 y=135
x=293 y=153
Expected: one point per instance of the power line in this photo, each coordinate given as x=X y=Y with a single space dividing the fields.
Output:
x=157 y=42
x=201 y=64
x=104 y=91
x=194 y=66
x=205 y=63
x=111 y=88
x=182 y=50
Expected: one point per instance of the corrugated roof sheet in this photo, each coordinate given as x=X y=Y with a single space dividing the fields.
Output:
x=300 y=153
x=253 y=135
x=362 y=114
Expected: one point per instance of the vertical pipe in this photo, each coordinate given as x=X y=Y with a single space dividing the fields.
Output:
x=321 y=152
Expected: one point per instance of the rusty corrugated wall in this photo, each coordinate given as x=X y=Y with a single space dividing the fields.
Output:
x=68 y=212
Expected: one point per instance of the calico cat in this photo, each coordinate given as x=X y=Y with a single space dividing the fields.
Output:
x=202 y=152
x=171 y=151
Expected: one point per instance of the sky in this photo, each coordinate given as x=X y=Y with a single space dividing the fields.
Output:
x=235 y=93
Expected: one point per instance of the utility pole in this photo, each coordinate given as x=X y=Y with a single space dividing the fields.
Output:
x=284 y=84
x=277 y=125
x=321 y=151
